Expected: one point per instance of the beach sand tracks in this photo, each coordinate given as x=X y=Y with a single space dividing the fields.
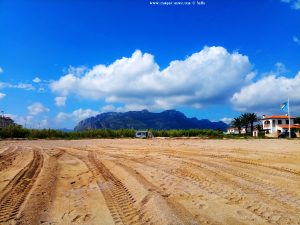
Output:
x=118 y=198
x=8 y=156
x=15 y=192
x=238 y=188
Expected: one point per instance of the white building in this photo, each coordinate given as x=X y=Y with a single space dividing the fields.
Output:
x=235 y=130
x=276 y=124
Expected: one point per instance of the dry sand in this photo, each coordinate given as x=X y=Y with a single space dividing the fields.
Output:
x=158 y=181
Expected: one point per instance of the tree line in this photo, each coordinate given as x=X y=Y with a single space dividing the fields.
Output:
x=15 y=131
x=244 y=121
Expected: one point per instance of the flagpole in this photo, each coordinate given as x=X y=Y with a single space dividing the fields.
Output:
x=289 y=117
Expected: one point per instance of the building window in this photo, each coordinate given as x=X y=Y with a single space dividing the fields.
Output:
x=279 y=121
x=273 y=123
x=287 y=122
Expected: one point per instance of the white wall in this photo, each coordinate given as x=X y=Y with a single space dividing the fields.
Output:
x=274 y=126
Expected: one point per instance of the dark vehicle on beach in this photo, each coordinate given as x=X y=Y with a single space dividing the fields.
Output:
x=286 y=135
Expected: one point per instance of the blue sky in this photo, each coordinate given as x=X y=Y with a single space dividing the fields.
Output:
x=62 y=61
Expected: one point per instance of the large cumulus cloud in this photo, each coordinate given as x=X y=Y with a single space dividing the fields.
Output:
x=266 y=94
x=212 y=75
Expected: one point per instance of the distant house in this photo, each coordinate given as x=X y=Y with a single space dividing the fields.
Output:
x=5 y=121
x=276 y=124
x=235 y=130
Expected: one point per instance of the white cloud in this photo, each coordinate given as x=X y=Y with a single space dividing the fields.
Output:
x=134 y=107
x=250 y=76
x=37 y=108
x=280 y=68
x=60 y=101
x=108 y=108
x=268 y=93
x=5 y=85
x=226 y=120
x=18 y=86
x=1 y=70
x=36 y=80
x=77 y=71
x=295 y=4
x=76 y=115
x=2 y=85
x=31 y=121
x=296 y=40
x=209 y=76
x=25 y=86
x=2 y=95
x=41 y=90
x=44 y=123
x=25 y=121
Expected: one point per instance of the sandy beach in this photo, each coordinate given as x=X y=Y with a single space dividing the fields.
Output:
x=157 y=181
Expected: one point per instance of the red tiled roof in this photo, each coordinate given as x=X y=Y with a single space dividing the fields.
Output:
x=277 y=117
x=295 y=126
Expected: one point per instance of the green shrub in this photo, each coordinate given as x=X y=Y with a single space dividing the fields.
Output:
x=14 y=131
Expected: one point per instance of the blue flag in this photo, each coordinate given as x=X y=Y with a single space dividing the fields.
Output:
x=283 y=106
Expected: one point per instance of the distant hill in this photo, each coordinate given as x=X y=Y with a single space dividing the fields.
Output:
x=169 y=119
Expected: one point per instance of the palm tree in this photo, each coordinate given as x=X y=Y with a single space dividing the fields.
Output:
x=253 y=118
x=237 y=122
x=245 y=121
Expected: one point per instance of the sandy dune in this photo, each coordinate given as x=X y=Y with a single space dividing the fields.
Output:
x=158 y=181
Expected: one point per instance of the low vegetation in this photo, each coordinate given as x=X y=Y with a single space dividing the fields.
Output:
x=19 y=132
x=188 y=133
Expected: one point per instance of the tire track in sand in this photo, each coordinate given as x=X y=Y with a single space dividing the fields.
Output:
x=7 y=157
x=284 y=170
x=236 y=194
x=274 y=192
x=164 y=188
x=14 y=194
x=171 y=203
x=258 y=207
x=119 y=200
x=150 y=204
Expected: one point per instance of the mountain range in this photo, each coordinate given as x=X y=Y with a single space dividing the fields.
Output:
x=141 y=120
